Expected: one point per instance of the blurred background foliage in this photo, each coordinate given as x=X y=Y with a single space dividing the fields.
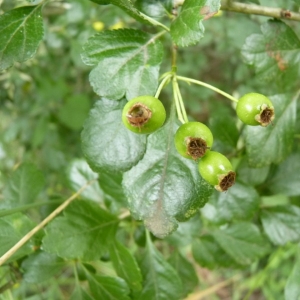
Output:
x=44 y=102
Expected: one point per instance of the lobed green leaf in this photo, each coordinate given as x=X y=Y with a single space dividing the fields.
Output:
x=243 y=242
x=161 y=282
x=188 y=29
x=185 y=270
x=41 y=266
x=209 y=254
x=84 y=232
x=21 y=31
x=23 y=187
x=106 y=143
x=127 y=63
x=239 y=203
x=125 y=265
x=12 y=229
x=282 y=224
x=274 y=52
x=106 y=287
x=286 y=177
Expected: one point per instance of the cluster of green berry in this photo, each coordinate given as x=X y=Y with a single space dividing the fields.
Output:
x=193 y=140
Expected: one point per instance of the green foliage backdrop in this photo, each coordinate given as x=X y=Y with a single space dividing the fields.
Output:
x=146 y=225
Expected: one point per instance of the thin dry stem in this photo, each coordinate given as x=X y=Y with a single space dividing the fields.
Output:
x=211 y=290
x=31 y=233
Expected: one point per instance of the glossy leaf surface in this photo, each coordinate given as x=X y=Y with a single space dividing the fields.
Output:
x=188 y=29
x=282 y=224
x=106 y=143
x=164 y=187
x=21 y=31
x=126 y=63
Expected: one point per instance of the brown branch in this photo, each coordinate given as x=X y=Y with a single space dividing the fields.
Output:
x=273 y=12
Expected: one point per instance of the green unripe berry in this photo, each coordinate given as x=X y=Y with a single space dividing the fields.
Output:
x=193 y=140
x=255 y=109
x=143 y=114
x=216 y=169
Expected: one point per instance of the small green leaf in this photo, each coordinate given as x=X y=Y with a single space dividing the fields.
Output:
x=282 y=224
x=127 y=63
x=239 y=203
x=161 y=282
x=41 y=266
x=23 y=187
x=249 y=175
x=12 y=229
x=185 y=270
x=266 y=145
x=108 y=288
x=292 y=288
x=83 y=232
x=74 y=111
x=208 y=253
x=243 y=242
x=125 y=265
x=106 y=143
x=275 y=51
x=187 y=28
x=21 y=31
x=164 y=187
x=286 y=177
x=79 y=173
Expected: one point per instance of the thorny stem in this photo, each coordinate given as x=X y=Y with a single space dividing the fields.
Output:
x=190 y=80
x=31 y=233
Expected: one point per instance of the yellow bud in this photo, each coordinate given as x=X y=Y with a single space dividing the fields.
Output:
x=98 y=26
x=117 y=25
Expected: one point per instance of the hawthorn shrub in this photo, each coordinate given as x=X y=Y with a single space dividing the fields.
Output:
x=148 y=145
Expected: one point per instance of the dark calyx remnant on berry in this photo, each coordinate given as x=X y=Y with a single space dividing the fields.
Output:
x=226 y=181
x=138 y=115
x=266 y=115
x=196 y=147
